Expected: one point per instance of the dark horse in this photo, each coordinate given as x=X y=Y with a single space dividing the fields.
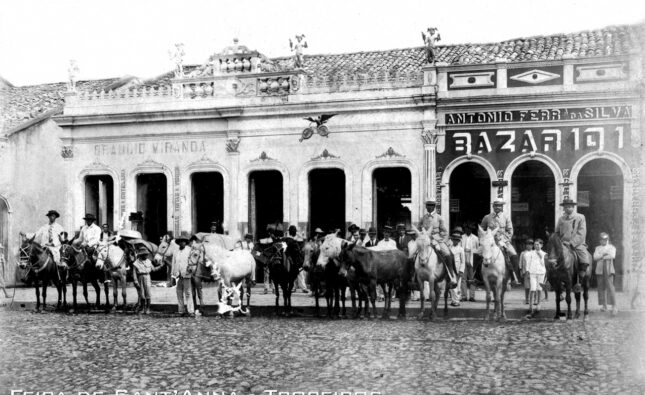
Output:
x=284 y=263
x=328 y=270
x=40 y=266
x=82 y=268
x=563 y=272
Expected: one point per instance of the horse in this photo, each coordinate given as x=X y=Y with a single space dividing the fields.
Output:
x=335 y=280
x=388 y=268
x=493 y=272
x=428 y=268
x=562 y=269
x=285 y=260
x=163 y=256
x=196 y=258
x=112 y=258
x=40 y=266
x=82 y=268
x=228 y=267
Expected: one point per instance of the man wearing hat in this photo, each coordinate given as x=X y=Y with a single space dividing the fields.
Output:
x=183 y=271
x=142 y=269
x=291 y=239
x=352 y=234
x=572 y=231
x=49 y=235
x=458 y=253
x=433 y=222
x=498 y=220
x=372 y=242
x=362 y=234
x=387 y=243
x=90 y=233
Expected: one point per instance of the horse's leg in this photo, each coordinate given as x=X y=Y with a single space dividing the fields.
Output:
x=37 y=288
x=502 y=316
x=386 y=306
x=277 y=298
x=568 y=299
x=316 y=296
x=115 y=287
x=556 y=290
x=97 y=290
x=421 y=297
x=488 y=298
x=577 y=297
x=372 y=289
x=123 y=289
x=106 y=289
x=585 y=295
x=343 y=299
x=286 y=294
x=248 y=293
x=446 y=294
x=337 y=287
x=45 y=281
x=74 y=284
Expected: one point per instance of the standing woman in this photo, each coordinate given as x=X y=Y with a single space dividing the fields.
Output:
x=603 y=257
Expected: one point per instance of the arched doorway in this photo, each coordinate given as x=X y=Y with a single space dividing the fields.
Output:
x=265 y=201
x=532 y=201
x=207 y=200
x=99 y=198
x=469 y=194
x=391 y=196
x=327 y=199
x=152 y=201
x=600 y=200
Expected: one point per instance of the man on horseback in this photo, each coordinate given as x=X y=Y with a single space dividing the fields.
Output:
x=49 y=236
x=572 y=231
x=90 y=237
x=497 y=219
x=433 y=223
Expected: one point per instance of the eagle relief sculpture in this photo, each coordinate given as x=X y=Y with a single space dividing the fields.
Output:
x=322 y=129
x=429 y=40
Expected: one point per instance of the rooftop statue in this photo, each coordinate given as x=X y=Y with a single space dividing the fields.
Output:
x=177 y=56
x=72 y=73
x=299 y=58
x=429 y=40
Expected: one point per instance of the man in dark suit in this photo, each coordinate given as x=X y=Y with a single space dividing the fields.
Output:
x=373 y=241
x=401 y=238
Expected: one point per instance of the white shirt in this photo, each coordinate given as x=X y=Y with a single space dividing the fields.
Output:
x=387 y=244
x=90 y=235
x=180 y=263
x=44 y=238
x=470 y=244
x=460 y=262
x=534 y=263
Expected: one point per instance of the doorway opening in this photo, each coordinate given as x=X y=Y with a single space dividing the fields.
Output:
x=469 y=195
x=99 y=199
x=152 y=201
x=326 y=199
x=207 y=200
x=391 y=197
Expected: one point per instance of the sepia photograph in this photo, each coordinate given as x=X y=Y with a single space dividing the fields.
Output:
x=307 y=197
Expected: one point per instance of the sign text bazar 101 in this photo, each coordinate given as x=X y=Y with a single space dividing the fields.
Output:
x=537 y=140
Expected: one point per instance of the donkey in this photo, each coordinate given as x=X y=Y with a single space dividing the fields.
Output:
x=562 y=269
x=329 y=265
x=82 y=268
x=40 y=266
x=428 y=268
x=228 y=267
x=493 y=272
x=113 y=259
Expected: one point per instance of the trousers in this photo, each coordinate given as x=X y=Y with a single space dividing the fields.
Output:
x=185 y=295
x=468 y=282
x=606 y=290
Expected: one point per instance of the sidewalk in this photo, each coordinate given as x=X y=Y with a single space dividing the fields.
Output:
x=165 y=300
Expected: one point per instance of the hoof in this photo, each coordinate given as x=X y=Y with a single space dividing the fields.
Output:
x=576 y=316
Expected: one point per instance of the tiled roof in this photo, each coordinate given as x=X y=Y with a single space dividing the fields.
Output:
x=22 y=104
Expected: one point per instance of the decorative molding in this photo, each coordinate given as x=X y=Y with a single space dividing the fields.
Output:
x=429 y=137
x=177 y=214
x=389 y=153
x=67 y=152
x=150 y=163
x=325 y=155
x=600 y=72
x=263 y=157
x=232 y=145
x=475 y=79
x=637 y=265
x=535 y=76
x=122 y=194
x=203 y=161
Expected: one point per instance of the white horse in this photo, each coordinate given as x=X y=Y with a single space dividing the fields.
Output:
x=229 y=267
x=428 y=268
x=112 y=258
x=493 y=272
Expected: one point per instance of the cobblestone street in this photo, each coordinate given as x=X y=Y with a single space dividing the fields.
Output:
x=97 y=352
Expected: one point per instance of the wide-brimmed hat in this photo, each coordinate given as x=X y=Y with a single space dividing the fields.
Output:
x=567 y=202
x=89 y=217
x=387 y=228
x=293 y=228
x=431 y=201
x=457 y=229
x=400 y=226
x=143 y=251
x=318 y=230
x=353 y=227
x=362 y=231
x=52 y=212
x=184 y=235
x=455 y=236
x=410 y=232
x=499 y=201
x=371 y=231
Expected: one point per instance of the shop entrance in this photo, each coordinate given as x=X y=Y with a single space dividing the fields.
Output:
x=207 y=200
x=391 y=197
x=600 y=200
x=469 y=195
x=326 y=199
x=532 y=201
x=265 y=201
x=152 y=201
x=99 y=199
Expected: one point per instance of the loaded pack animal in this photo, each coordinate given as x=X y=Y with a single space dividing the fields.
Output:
x=41 y=268
x=494 y=272
x=284 y=265
x=563 y=272
x=114 y=260
x=228 y=267
x=390 y=269
x=163 y=256
x=428 y=268
x=328 y=271
x=82 y=268
x=234 y=295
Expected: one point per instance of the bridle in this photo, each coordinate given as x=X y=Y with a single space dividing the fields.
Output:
x=25 y=260
x=488 y=261
x=106 y=259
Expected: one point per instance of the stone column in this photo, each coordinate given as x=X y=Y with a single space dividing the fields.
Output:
x=232 y=217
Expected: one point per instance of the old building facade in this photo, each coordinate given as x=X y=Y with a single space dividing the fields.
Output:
x=240 y=140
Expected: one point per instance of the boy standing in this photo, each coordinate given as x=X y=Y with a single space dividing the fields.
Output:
x=524 y=256
x=143 y=267
x=460 y=262
x=536 y=271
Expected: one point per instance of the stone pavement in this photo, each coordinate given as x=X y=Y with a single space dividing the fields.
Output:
x=165 y=300
x=133 y=353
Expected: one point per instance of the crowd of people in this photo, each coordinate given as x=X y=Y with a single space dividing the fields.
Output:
x=460 y=245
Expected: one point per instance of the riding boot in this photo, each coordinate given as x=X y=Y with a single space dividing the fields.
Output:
x=147 y=311
x=106 y=277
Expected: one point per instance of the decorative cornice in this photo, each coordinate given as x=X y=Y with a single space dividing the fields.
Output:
x=150 y=163
x=389 y=153
x=203 y=161
x=325 y=155
x=263 y=157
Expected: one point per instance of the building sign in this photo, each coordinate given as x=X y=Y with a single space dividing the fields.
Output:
x=150 y=147
x=540 y=115
x=544 y=140
x=454 y=205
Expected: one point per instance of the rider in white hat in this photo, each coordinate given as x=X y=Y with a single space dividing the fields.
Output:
x=499 y=220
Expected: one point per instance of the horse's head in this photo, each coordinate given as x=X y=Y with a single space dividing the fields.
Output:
x=487 y=245
x=330 y=249
x=67 y=255
x=554 y=251
x=163 y=248
x=101 y=255
x=310 y=251
x=424 y=247
x=26 y=250
x=197 y=253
